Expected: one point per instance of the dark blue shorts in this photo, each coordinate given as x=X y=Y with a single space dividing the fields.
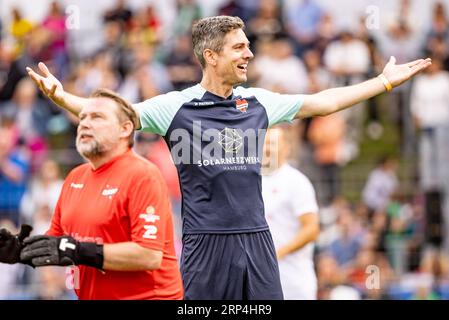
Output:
x=240 y=266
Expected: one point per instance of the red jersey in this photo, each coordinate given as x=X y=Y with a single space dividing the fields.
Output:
x=124 y=200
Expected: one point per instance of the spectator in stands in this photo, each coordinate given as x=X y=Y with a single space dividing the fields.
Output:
x=20 y=27
x=280 y=68
x=402 y=15
x=182 y=67
x=303 y=20
x=147 y=78
x=115 y=46
x=5 y=63
x=370 y=274
x=374 y=128
x=345 y=248
x=437 y=46
x=402 y=39
x=328 y=220
x=54 y=26
x=327 y=134
x=32 y=53
x=267 y=23
x=440 y=22
x=435 y=263
x=243 y=8
x=30 y=116
x=51 y=284
x=382 y=183
x=318 y=75
x=14 y=174
x=145 y=26
x=318 y=80
x=430 y=90
x=120 y=12
x=97 y=72
x=348 y=60
x=326 y=33
x=187 y=12
x=10 y=273
x=329 y=275
x=400 y=231
x=43 y=192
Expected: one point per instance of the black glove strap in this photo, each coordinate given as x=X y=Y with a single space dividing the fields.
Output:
x=90 y=254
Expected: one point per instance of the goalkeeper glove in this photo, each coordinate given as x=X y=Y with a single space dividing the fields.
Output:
x=43 y=250
x=11 y=245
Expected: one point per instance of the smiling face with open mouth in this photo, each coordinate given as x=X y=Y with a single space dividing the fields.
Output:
x=232 y=62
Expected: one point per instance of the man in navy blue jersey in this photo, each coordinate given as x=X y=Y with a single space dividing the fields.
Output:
x=215 y=133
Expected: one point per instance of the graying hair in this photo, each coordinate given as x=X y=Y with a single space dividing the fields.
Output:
x=209 y=33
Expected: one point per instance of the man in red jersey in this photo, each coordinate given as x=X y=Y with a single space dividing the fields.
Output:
x=113 y=217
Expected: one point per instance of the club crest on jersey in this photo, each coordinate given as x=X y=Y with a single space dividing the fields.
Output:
x=241 y=105
x=109 y=191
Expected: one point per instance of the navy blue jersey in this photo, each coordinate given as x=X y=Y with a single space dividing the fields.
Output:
x=216 y=144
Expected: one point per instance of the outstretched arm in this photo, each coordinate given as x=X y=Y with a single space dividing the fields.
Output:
x=54 y=90
x=336 y=99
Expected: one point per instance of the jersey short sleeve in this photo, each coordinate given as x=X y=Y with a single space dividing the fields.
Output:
x=157 y=113
x=149 y=212
x=279 y=107
x=303 y=196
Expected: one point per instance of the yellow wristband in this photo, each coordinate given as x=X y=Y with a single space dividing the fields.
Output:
x=385 y=81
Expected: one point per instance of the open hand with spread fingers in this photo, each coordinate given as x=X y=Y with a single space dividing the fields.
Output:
x=48 y=83
x=399 y=73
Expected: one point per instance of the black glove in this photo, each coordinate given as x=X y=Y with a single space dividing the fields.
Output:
x=45 y=250
x=11 y=245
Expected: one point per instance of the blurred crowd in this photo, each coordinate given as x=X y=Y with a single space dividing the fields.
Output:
x=389 y=243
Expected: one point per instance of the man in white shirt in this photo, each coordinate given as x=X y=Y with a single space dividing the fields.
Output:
x=280 y=68
x=430 y=110
x=292 y=214
x=381 y=184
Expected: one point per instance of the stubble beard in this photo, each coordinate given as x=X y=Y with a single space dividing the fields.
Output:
x=90 y=150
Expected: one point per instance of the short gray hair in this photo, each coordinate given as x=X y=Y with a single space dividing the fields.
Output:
x=209 y=33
